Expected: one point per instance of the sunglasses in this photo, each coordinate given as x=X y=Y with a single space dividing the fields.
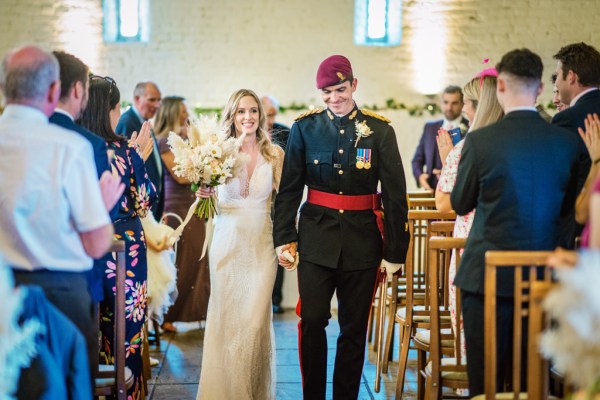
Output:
x=108 y=79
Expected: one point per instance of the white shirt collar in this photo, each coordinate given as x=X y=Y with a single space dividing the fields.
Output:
x=455 y=123
x=63 y=112
x=23 y=111
x=580 y=95
x=521 y=108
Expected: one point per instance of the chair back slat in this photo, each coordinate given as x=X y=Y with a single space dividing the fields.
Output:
x=526 y=265
x=421 y=203
x=419 y=194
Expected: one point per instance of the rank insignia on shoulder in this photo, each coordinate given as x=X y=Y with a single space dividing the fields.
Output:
x=374 y=115
x=309 y=112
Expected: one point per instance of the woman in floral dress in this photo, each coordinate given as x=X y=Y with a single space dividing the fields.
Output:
x=481 y=108
x=101 y=117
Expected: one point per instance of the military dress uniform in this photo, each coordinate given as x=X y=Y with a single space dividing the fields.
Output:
x=340 y=246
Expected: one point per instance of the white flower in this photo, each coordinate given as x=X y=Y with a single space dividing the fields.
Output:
x=362 y=130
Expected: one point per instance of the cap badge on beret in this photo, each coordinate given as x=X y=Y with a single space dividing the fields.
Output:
x=341 y=76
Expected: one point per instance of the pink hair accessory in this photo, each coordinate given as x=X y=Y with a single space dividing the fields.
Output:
x=486 y=72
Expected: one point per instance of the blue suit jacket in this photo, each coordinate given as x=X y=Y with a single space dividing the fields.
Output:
x=96 y=274
x=427 y=154
x=520 y=175
x=571 y=119
x=129 y=123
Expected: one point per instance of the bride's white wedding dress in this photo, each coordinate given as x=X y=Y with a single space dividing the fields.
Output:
x=238 y=353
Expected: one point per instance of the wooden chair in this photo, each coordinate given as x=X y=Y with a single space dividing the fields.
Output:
x=112 y=379
x=450 y=371
x=415 y=312
x=527 y=276
x=421 y=204
x=419 y=194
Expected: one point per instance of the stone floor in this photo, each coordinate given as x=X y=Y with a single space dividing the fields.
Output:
x=177 y=375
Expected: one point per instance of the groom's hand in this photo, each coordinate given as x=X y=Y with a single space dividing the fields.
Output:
x=283 y=254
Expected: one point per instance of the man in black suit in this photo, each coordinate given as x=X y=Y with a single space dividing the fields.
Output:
x=426 y=163
x=520 y=174
x=341 y=153
x=146 y=100
x=577 y=81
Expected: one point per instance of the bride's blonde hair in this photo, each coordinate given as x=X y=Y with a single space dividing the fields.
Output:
x=228 y=120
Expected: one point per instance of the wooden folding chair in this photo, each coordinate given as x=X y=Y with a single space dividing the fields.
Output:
x=419 y=194
x=421 y=204
x=529 y=272
x=415 y=312
x=450 y=371
x=114 y=380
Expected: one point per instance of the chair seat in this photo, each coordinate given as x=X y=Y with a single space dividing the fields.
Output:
x=107 y=382
x=424 y=336
x=451 y=375
x=401 y=313
x=508 y=396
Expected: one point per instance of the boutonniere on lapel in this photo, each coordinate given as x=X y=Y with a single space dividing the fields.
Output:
x=362 y=130
x=463 y=128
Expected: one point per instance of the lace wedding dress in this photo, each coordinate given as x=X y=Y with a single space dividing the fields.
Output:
x=238 y=353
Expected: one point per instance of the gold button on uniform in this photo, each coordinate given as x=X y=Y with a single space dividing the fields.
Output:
x=341 y=192
x=316 y=161
x=341 y=211
x=341 y=151
x=342 y=131
x=340 y=172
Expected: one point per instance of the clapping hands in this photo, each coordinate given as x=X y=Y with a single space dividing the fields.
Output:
x=144 y=140
x=591 y=136
x=444 y=142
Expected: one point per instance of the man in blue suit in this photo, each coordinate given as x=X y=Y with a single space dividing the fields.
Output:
x=426 y=162
x=146 y=100
x=520 y=174
x=73 y=99
x=577 y=80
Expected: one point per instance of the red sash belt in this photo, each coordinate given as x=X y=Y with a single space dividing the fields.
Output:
x=344 y=202
x=349 y=202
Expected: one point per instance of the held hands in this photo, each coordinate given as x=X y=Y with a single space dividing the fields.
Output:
x=288 y=256
x=444 y=142
x=111 y=188
x=591 y=136
x=390 y=268
x=144 y=140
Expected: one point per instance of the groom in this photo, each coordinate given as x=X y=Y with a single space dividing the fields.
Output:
x=341 y=153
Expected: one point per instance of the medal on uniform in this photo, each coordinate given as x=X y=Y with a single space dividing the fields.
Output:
x=360 y=164
x=367 y=158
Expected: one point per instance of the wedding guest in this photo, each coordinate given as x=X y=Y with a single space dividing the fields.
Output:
x=577 y=80
x=53 y=212
x=341 y=153
x=482 y=109
x=101 y=116
x=520 y=199
x=193 y=276
x=279 y=135
x=555 y=96
x=238 y=357
x=146 y=101
x=426 y=163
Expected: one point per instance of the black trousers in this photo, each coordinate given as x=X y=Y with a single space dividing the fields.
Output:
x=354 y=293
x=473 y=322
x=68 y=291
x=278 y=287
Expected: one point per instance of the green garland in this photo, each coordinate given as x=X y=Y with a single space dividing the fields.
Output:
x=390 y=104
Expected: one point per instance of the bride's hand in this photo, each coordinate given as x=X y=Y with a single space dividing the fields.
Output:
x=205 y=192
x=444 y=142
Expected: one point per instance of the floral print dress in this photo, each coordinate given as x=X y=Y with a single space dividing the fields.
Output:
x=462 y=227
x=133 y=205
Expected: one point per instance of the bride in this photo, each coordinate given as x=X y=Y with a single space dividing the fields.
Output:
x=238 y=353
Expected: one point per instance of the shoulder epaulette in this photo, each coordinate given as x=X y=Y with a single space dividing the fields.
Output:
x=309 y=112
x=374 y=115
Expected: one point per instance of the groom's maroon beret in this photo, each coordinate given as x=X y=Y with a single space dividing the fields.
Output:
x=334 y=70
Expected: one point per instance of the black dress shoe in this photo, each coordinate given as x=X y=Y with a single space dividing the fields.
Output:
x=277 y=309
